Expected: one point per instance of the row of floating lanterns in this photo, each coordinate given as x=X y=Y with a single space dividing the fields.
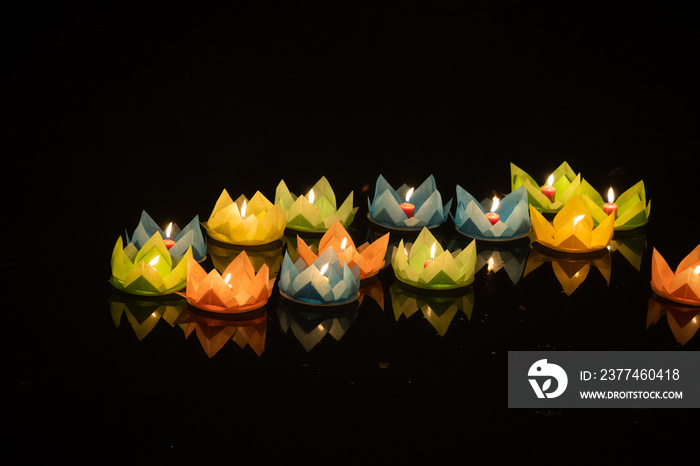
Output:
x=581 y=222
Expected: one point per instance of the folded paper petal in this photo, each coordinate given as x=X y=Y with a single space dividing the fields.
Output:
x=386 y=208
x=514 y=221
x=681 y=285
x=446 y=270
x=303 y=215
x=572 y=229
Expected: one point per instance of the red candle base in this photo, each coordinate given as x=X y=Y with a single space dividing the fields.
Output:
x=408 y=209
x=610 y=208
x=493 y=217
x=425 y=264
x=169 y=243
x=550 y=192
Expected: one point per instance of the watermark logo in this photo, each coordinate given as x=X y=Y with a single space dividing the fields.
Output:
x=540 y=376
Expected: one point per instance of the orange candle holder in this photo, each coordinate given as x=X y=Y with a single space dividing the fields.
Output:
x=237 y=289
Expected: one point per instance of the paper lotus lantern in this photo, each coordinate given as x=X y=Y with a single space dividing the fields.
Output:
x=564 y=180
x=369 y=257
x=427 y=265
x=237 y=289
x=425 y=200
x=191 y=235
x=632 y=207
x=315 y=211
x=245 y=222
x=150 y=270
x=572 y=229
x=327 y=281
x=681 y=286
x=513 y=216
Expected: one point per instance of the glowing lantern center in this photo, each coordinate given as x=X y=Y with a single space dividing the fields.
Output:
x=578 y=218
x=169 y=230
x=243 y=209
x=550 y=180
x=311 y=196
x=611 y=195
x=343 y=244
x=494 y=204
x=408 y=194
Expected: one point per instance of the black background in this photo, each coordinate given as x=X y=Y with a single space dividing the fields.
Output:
x=119 y=107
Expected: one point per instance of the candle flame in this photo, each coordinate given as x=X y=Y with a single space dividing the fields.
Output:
x=697 y=270
x=494 y=204
x=323 y=269
x=408 y=194
x=243 y=209
x=550 y=180
x=343 y=244
x=311 y=196
x=154 y=261
x=578 y=218
x=432 y=251
x=611 y=195
x=490 y=264
x=168 y=230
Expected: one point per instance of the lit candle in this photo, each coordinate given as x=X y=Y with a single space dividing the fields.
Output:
x=407 y=207
x=243 y=209
x=610 y=207
x=432 y=256
x=323 y=272
x=226 y=280
x=168 y=242
x=343 y=244
x=311 y=198
x=549 y=190
x=492 y=215
x=577 y=219
x=489 y=266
